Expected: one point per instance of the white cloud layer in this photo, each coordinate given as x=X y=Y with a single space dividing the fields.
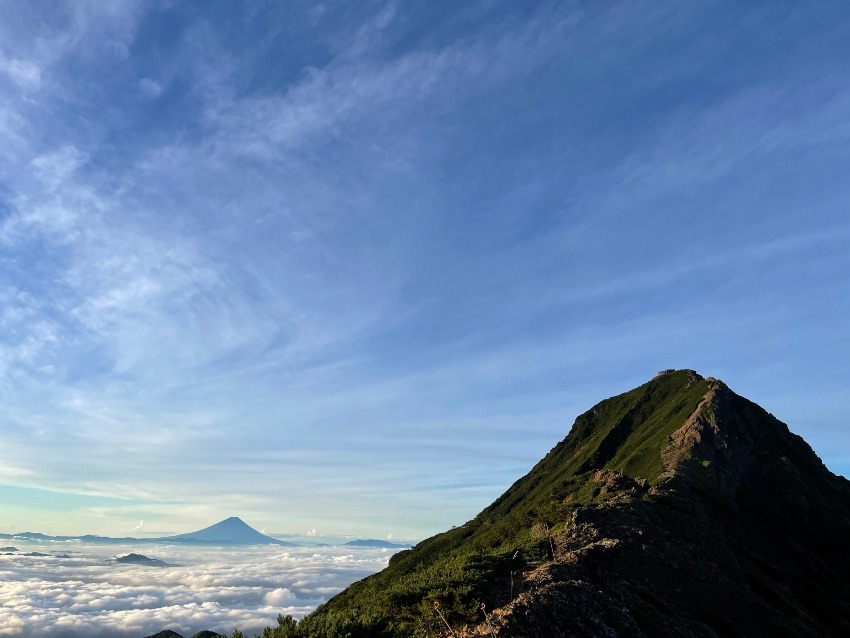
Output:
x=85 y=595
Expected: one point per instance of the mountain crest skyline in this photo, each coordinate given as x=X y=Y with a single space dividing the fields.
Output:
x=676 y=508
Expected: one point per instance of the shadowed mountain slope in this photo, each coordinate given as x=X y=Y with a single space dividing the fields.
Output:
x=678 y=508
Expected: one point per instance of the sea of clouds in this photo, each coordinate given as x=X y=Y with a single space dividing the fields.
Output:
x=88 y=596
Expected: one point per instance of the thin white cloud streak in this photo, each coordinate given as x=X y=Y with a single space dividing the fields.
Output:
x=151 y=89
x=699 y=146
x=212 y=588
x=23 y=72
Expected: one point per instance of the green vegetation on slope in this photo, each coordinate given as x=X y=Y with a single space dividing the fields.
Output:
x=467 y=566
x=681 y=484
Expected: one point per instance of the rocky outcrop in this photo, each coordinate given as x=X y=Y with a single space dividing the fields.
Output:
x=645 y=568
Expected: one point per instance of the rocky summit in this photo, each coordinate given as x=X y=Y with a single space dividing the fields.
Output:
x=678 y=508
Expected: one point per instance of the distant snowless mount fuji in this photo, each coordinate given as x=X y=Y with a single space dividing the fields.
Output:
x=230 y=531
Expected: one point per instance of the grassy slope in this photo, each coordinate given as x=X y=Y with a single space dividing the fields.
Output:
x=459 y=568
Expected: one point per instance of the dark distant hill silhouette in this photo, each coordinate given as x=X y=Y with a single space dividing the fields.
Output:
x=230 y=531
x=139 y=559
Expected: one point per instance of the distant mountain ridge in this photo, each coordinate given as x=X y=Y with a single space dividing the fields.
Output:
x=678 y=508
x=86 y=538
x=230 y=531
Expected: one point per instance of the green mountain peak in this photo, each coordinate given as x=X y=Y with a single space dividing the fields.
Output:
x=677 y=508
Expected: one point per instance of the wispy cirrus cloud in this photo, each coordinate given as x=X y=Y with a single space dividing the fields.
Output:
x=25 y=73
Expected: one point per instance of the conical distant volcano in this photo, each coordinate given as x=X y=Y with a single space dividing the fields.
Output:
x=231 y=530
x=678 y=508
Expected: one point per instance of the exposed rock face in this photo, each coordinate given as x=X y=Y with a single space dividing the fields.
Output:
x=643 y=569
x=612 y=481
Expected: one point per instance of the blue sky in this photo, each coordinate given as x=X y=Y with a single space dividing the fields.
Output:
x=355 y=267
